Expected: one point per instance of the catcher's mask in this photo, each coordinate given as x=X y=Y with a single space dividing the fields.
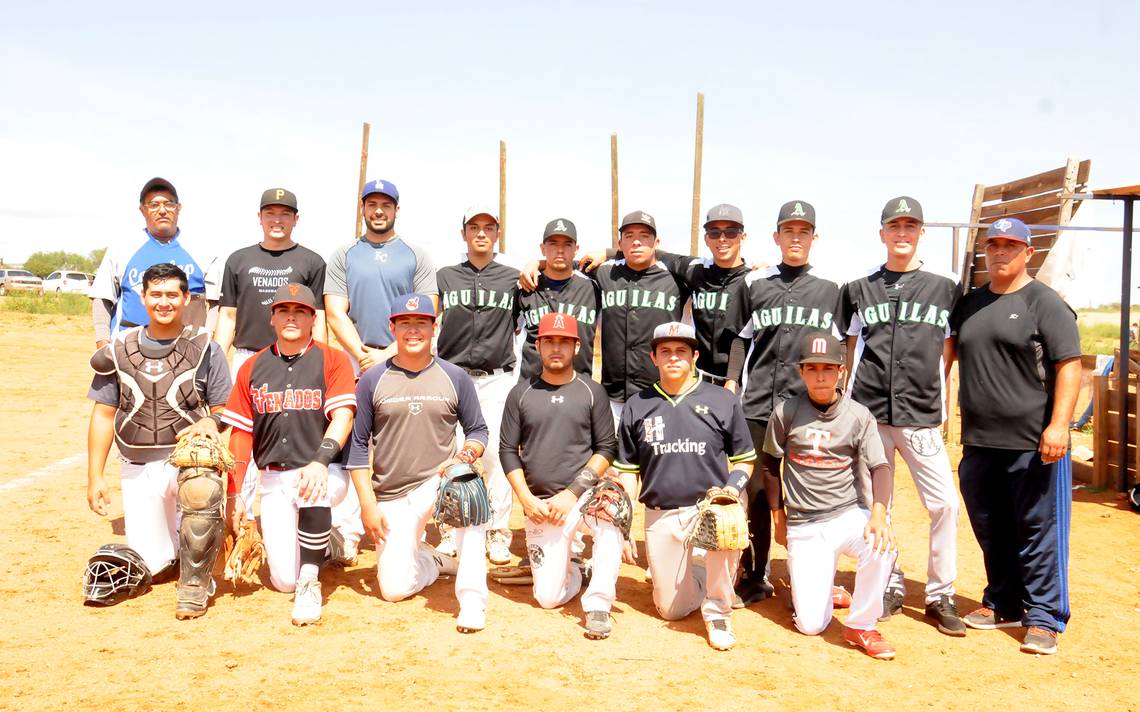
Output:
x=116 y=572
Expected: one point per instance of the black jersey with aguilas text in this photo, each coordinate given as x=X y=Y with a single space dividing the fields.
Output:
x=681 y=445
x=901 y=320
x=578 y=297
x=634 y=303
x=776 y=307
x=551 y=431
x=477 y=325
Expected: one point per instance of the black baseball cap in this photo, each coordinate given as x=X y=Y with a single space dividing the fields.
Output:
x=903 y=206
x=560 y=226
x=294 y=293
x=156 y=184
x=796 y=210
x=821 y=347
x=725 y=212
x=639 y=217
x=279 y=196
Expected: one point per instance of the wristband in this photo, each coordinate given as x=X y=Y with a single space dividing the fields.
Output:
x=586 y=479
x=466 y=456
x=738 y=478
x=326 y=451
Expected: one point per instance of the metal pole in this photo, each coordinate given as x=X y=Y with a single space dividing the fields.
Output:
x=1123 y=364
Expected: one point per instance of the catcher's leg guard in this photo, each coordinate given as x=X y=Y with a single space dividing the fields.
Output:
x=201 y=500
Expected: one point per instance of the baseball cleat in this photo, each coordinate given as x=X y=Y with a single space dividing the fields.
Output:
x=892 y=604
x=986 y=618
x=871 y=642
x=447 y=565
x=307 y=602
x=342 y=553
x=754 y=590
x=1039 y=640
x=498 y=551
x=840 y=598
x=446 y=544
x=193 y=601
x=720 y=634
x=599 y=625
x=471 y=620
x=945 y=612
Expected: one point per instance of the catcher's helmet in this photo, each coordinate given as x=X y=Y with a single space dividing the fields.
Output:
x=116 y=572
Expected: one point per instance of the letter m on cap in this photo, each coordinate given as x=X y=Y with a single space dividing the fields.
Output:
x=819 y=346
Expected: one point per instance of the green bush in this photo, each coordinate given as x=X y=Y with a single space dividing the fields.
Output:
x=30 y=303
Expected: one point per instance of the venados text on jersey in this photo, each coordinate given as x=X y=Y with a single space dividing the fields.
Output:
x=908 y=311
x=647 y=298
x=267 y=401
x=679 y=445
x=789 y=314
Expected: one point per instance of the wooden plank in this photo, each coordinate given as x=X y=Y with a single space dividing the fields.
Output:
x=1024 y=187
x=1100 y=435
x=614 y=190
x=1083 y=173
x=1013 y=207
x=697 y=154
x=502 y=196
x=1112 y=428
x=966 y=276
x=1069 y=206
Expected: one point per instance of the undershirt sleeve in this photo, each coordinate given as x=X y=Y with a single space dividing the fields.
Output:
x=362 y=421
x=510 y=432
x=602 y=426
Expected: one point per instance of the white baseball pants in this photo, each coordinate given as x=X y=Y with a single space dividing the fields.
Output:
x=556 y=578
x=150 y=511
x=493 y=390
x=680 y=587
x=813 y=553
x=279 y=505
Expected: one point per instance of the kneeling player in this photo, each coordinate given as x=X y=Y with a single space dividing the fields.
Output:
x=678 y=435
x=152 y=384
x=407 y=410
x=557 y=437
x=822 y=437
x=292 y=407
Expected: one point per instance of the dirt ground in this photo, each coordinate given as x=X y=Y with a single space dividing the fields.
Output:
x=245 y=653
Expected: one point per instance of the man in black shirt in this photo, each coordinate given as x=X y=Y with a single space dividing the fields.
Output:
x=1019 y=350
x=557 y=437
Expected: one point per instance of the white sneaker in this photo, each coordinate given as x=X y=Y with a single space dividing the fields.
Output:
x=307 y=602
x=447 y=565
x=471 y=620
x=720 y=634
x=498 y=550
x=342 y=552
x=447 y=545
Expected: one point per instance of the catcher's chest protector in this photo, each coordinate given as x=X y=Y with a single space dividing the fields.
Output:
x=157 y=396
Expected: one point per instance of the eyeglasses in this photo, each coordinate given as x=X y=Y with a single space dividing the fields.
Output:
x=730 y=233
x=156 y=205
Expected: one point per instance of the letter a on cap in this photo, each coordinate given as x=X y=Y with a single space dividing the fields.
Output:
x=902 y=208
x=559 y=322
x=798 y=211
x=560 y=226
x=819 y=346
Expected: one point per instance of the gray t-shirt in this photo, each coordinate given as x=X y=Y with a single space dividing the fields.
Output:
x=212 y=379
x=821 y=451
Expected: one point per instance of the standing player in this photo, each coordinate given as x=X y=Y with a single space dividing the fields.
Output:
x=152 y=384
x=1019 y=350
x=291 y=409
x=116 y=293
x=777 y=306
x=896 y=322
x=823 y=439
x=560 y=290
x=365 y=276
x=407 y=410
x=557 y=438
x=677 y=436
x=477 y=334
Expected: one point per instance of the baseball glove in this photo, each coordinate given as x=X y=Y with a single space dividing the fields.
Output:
x=609 y=502
x=463 y=500
x=721 y=523
x=244 y=554
x=200 y=450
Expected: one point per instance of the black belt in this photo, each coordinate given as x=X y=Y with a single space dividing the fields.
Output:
x=478 y=372
x=715 y=380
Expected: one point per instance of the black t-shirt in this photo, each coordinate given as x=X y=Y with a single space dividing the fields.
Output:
x=477 y=322
x=552 y=431
x=252 y=276
x=578 y=297
x=1008 y=349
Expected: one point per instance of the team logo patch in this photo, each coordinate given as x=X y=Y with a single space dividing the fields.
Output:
x=535 y=554
x=673 y=329
x=415 y=407
x=798 y=211
x=412 y=304
x=925 y=441
x=294 y=289
x=819 y=346
x=648 y=219
x=1003 y=225
x=702 y=409
x=903 y=208
x=560 y=226
x=559 y=321
x=654 y=429
x=153 y=367
x=557 y=399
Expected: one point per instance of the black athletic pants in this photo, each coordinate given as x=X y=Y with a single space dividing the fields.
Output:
x=755 y=558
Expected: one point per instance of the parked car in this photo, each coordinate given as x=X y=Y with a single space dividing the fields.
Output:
x=67 y=281
x=13 y=279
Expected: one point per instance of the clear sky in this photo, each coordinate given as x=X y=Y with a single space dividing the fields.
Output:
x=841 y=104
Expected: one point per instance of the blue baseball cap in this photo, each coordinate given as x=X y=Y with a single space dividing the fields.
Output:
x=412 y=305
x=380 y=186
x=1009 y=228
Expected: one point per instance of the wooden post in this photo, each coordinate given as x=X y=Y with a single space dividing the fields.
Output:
x=1101 y=455
x=1068 y=187
x=502 y=197
x=360 y=186
x=953 y=249
x=613 y=190
x=972 y=237
x=697 y=173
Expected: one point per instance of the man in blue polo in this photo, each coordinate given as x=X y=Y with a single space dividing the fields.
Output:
x=116 y=293
x=363 y=277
